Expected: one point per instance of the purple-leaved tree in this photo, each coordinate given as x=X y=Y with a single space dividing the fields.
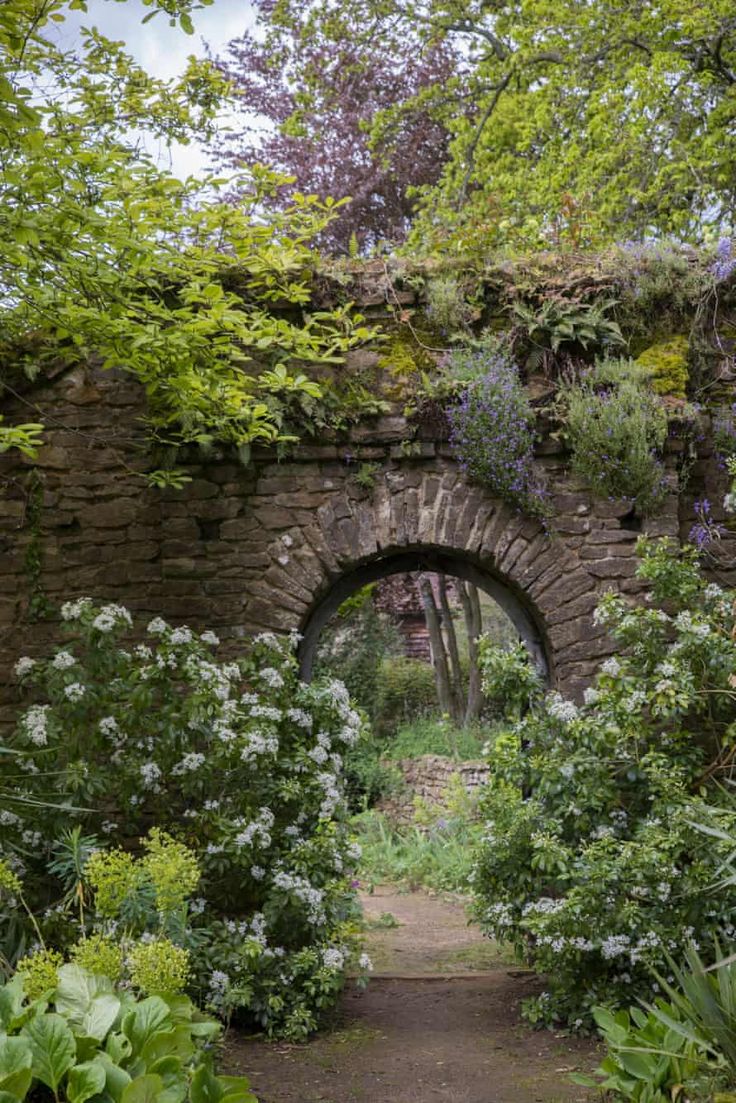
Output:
x=308 y=106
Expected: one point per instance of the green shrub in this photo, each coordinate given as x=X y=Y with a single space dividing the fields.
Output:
x=354 y=648
x=511 y=682
x=82 y=1038
x=616 y=429
x=239 y=761
x=492 y=431
x=592 y=864
x=406 y=690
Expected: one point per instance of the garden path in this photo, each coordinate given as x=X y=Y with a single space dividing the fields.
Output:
x=439 y=1023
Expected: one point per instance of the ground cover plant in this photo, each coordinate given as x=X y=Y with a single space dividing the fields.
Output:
x=239 y=762
x=71 y=1035
x=593 y=862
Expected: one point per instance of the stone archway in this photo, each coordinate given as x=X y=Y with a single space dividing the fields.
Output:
x=425 y=513
x=524 y=618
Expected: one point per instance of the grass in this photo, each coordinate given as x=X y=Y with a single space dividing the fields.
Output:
x=433 y=735
x=438 y=857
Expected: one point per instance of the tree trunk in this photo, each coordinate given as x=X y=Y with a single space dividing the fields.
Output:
x=470 y=600
x=437 y=645
x=456 y=674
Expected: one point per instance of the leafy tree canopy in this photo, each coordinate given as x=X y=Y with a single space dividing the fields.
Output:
x=318 y=93
x=104 y=254
x=593 y=121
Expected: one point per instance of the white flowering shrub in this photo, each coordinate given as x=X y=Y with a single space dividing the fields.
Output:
x=594 y=863
x=241 y=761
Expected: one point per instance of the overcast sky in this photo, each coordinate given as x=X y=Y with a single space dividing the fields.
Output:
x=163 y=50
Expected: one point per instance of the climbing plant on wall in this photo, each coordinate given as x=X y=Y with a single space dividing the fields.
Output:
x=105 y=255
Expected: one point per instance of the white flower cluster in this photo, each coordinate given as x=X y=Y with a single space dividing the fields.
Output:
x=258 y=830
x=259 y=743
x=499 y=915
x=616 y=945
x=35 y=724
x=301 y=718
x=72 y=610
x=75 y=691
x=110 y=616
x=272 y=677
x=301 y=888
x=191 y=762
x=333 y=958
x=62 y=660
x=611 y=667
x=150 y=775
x=545 y=905
x=561 y=709
x=24 y=666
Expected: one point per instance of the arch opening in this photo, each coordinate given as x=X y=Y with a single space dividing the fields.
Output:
x=430 y=561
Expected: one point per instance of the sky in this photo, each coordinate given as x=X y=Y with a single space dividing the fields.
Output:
x=163 y=50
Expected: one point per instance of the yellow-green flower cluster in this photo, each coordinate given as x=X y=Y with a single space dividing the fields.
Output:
x=115 y=876
x=172 y=868
x=39 y=972
x=99 y=955
x=158 y=966
x=9 y=881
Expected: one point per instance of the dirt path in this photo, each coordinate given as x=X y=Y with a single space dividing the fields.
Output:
x=439 y=1023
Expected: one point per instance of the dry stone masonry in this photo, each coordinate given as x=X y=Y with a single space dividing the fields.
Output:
x=276 y=545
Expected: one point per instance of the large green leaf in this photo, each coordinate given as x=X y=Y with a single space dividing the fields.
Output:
x=171 y=1071
x=116 y=1079
x=86 y=1001
x=144 y=1021
x=144 y=1089
x=85 y=1080
x=16 y=1059
x=205 y=1087
x=53 y=1048
x=11 y=1002
x=164 y=1043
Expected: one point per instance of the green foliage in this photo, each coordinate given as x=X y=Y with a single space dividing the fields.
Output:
x=435 y=735
x=26 y=438
x=356 y=646
x=564 y=326
x=437 y=855
x=616 y=429
x=511 y=682
x=666 y=363
x=85 y=1038
x=406 y=691
x=650 y=1057
x=592 y=863
x=493 y=428
x=684 y=1046
x=239 y=766
x=103 y=254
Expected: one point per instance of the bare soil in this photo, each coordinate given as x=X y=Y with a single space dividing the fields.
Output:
x=439 y=1023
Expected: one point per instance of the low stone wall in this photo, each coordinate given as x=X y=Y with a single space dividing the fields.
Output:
x=429 y=777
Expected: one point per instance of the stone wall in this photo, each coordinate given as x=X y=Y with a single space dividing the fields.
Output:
x=241 y=550
x=428 y=777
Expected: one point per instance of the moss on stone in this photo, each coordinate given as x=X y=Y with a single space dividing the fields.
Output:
x=667 y=365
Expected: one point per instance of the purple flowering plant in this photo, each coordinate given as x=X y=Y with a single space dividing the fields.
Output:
x=616 y=428
x=492 y=430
